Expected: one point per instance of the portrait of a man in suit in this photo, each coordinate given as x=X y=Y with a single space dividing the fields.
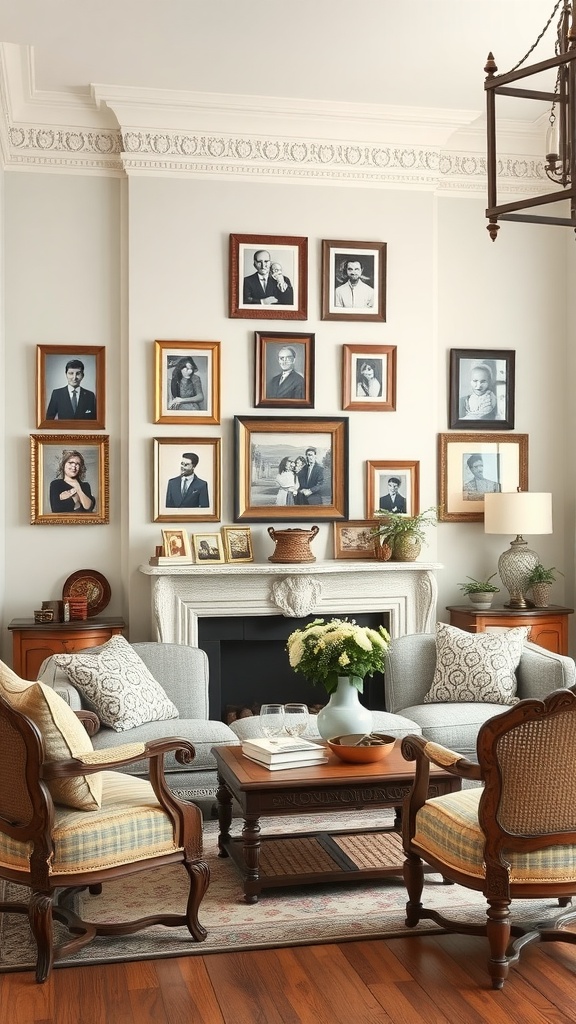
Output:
x=268 y=285
x=187 y=490
x=393 y=501
x=288 y=383
x=72 y=402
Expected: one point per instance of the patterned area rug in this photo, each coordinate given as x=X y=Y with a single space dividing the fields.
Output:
x=287 y=916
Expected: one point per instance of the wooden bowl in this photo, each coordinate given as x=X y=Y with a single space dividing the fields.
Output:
x=348 y=751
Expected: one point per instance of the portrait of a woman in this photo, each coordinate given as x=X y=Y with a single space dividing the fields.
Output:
x=368 y=378
x=186 y=389
x=70 y=492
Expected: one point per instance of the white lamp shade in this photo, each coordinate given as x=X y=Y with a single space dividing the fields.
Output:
x=518 y=512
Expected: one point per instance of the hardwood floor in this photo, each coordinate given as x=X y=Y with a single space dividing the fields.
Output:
x=437 y=979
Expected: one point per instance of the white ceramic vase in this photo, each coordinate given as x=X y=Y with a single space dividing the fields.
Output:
x=344 y=714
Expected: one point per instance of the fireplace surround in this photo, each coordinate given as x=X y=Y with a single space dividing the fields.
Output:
x=402 y=594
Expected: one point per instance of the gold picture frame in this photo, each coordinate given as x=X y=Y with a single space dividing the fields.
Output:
x=202 y=504
x=504 y=459
x=176 y=544
x=208 y=548
x=264 y=448
x=55 y=499
x=183 y=396
x=237 y=541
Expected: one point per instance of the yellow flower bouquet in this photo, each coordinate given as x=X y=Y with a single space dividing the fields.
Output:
x=323 y=651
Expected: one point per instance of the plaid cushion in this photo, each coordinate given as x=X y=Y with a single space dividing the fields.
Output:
x=129 y=826
x=447 y=828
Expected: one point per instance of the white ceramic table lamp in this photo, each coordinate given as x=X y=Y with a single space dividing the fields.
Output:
x=517 y=512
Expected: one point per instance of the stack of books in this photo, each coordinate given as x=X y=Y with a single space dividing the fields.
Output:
x=284 y=752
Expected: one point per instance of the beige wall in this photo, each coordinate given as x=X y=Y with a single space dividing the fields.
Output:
x=95 y=260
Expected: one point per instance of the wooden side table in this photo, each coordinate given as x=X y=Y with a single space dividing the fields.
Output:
x=548 y=626
x=32 y=642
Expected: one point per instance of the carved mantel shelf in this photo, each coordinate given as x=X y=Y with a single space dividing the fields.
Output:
x=181 y=595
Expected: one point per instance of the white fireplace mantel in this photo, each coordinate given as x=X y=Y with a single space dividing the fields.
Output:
x=181 y=595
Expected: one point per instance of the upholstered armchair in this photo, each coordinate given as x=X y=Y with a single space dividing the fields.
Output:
x=514 y=837
x=67 y=821
x=410 y=673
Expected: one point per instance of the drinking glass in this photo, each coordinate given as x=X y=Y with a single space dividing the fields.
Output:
x=272 y=719
x=296 y=719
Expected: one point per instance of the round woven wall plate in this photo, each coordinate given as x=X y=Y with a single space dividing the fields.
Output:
x=89 y=584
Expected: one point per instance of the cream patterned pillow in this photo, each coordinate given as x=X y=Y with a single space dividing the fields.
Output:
x=118 y=685
x=476 y=667
x=63 y=734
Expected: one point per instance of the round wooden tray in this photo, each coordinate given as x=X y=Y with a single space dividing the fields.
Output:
x=90 y=584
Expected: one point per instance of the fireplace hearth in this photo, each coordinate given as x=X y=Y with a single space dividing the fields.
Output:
x=221 y=607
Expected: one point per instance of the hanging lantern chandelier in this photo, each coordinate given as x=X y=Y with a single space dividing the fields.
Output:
x=560 y=155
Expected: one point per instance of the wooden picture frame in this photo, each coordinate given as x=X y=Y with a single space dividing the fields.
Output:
x=52 y=500
x=202 y=503
x=237 y=541
x=504 y=459
x=351 y=292
x=284 y=368
x=316 y=490
x=369 y=378
x=285 y=296
x=353 y=539
x=187 y=382
x=482 y=385
x=176 y=545
x=208 y=548
x=53 y=375
x=383 y=494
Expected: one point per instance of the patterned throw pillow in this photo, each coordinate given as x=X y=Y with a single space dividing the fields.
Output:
x=476 y=667
x=116 y=682
x=63 y=734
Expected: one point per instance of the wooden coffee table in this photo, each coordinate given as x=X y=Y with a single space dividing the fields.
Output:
x=340 y=855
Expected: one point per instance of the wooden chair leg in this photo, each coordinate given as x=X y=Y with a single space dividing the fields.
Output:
x=40 y=918
x=199 y=874
x=413 y=871
x=498 y=933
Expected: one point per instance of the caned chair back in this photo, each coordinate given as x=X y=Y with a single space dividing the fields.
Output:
x=527 y=756
x=25 y=806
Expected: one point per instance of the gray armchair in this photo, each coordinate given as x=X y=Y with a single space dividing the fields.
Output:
x=183 y=673
x=408 y=677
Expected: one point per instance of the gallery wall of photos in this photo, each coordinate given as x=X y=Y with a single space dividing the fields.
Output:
x=288 y=467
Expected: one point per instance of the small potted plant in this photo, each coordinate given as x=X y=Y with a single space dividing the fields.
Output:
x=540 y=582
x=404 y=534
x=480 y=592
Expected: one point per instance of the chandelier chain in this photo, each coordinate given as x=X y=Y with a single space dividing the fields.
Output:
x=535 y=43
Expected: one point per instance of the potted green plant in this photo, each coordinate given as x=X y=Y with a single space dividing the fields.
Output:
x=404 y=534
x=480 y=592
x=540 y=582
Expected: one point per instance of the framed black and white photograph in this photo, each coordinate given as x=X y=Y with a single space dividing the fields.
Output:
x=290 y=468
x=237 y=541
x=186 y=479
x=284 y=364
x=69 y=479
x=369 y=378
x=353 y=280
x=354 y=539
x=392 y=487
x=208 y=548
x=268 y=277
x=70 y=387
x=187 y=382
x=482 y=389
x=472 y=465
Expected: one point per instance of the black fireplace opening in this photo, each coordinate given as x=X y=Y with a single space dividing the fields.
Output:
x=249 y=663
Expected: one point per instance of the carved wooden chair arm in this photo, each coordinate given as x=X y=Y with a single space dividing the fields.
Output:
x=89 y=720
